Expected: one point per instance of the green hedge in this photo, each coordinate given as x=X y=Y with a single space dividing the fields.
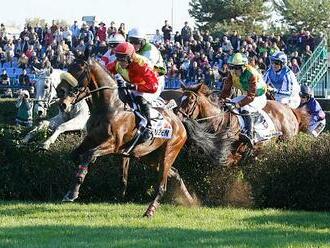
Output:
x=291 y=175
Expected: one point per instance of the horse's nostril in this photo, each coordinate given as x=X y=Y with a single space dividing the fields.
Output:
x=39 y=112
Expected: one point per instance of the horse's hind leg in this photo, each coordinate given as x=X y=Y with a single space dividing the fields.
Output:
x=125 y=168
x=175 y=175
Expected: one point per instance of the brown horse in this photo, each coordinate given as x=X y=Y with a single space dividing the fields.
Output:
x=196 y=104
x=112 y=127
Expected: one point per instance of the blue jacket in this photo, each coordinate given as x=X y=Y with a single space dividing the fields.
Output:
x=315 y=110
x=284 y=81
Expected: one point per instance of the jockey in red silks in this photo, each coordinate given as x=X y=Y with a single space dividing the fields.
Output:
x=113 y=41
x=136 y=80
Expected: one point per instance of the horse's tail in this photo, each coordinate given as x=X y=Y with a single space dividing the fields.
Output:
x=303 y=118
x=199 y=137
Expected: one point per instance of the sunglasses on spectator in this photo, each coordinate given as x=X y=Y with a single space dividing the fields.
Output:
x=276 y=62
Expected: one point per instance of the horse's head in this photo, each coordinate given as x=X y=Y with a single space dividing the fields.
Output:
x=83 y=78
x=44 y=91
x=193 y=101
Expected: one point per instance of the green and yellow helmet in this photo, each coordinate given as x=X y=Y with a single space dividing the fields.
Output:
x=238 y=59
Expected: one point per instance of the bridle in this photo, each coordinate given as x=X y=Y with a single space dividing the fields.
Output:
x=193 y=108
x=81 y=92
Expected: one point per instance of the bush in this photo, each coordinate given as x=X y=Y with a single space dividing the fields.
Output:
x=291 y=175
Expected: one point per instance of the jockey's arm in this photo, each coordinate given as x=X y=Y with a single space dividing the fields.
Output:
x=251 y=94
x=111 y=67
x=287 y=86
x=150 y=80
x=225 y=93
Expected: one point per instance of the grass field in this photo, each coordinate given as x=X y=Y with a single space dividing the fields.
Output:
x=105 y=225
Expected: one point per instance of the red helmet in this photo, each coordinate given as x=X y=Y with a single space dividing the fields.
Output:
x=124 y=49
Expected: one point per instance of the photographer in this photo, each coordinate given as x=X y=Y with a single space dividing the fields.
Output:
x=24 y=107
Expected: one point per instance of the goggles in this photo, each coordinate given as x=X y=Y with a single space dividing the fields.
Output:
x=134 y=40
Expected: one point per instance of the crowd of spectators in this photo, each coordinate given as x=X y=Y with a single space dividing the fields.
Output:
x=191 y=55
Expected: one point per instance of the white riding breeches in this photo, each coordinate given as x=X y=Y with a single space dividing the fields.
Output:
x=257 y=104
x=316 y=128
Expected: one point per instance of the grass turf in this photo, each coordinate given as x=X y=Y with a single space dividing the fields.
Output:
x=113 y=225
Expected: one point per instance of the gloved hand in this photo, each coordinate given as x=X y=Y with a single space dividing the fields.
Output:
x=231 y=106
x=123 y=84
x=272 y=89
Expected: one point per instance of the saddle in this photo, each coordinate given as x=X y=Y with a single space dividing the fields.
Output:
x=160 y=127
x=263 y=127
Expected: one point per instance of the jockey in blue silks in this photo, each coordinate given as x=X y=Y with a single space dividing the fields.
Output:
x=280 y=78
x=317 y=122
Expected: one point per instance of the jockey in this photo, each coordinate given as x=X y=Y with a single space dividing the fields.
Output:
x=134 y=73
x=138 y=39
x=317 y=122
x=280 y=78
x=250 y=82
x=113 y=41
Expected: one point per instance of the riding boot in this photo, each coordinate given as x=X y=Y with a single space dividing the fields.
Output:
x=145 y=111
x=248 y=134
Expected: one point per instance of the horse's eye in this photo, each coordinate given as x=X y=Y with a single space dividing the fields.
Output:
x=46 y=87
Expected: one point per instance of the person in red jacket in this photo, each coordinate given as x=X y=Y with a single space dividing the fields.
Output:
x=136 y=81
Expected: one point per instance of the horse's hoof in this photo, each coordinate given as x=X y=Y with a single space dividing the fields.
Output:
x=151 y=210
x=70 y=197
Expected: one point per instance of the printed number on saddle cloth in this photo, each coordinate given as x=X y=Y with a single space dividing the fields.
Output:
x=164 y=133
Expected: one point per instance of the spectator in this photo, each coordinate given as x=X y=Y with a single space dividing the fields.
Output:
x=295 y=66
x=112 y=29
x=2 y=57
x=67 y=36
x=75 y=30
x=24 y=79
x=178 y=38
x=308 y=39
x=235 y=41
x=167 y=30
x=226 y=44
x=23 y=61
x=4 y=78
x=85 y=34
x=102 y=32
x=307 y=53
x=157 y=38
x=80 y=49
x=122 y=29
x=186 y=33
x=9 y=49
x=24 y=109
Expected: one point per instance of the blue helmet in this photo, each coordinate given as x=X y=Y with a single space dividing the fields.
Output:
x=305 y=90
x=280 y=56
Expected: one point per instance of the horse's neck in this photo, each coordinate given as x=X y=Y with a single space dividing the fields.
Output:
x=220 y=120
x=105 y=98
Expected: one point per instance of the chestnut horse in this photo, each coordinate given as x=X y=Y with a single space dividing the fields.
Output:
x=196 y=104
x=111 y=127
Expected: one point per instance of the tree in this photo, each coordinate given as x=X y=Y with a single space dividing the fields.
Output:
x=304 y=14
x=229 y=14
x=33 y=22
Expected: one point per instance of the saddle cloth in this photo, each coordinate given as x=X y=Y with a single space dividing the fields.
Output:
x=161 y=128
x=263 y=126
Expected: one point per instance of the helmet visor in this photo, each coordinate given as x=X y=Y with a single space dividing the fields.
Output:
x=134 y=40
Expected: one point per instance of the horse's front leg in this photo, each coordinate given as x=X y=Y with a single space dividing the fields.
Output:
x=32 y=133
x=72 y=125
x=86 y=160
